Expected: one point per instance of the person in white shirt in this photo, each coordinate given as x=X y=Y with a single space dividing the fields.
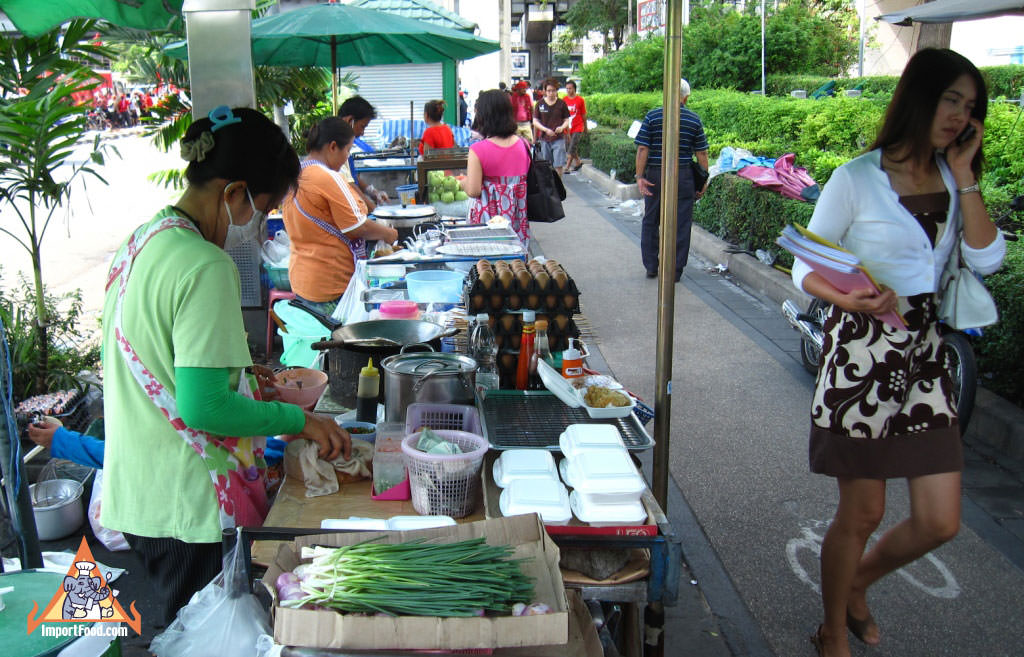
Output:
x=883 y=405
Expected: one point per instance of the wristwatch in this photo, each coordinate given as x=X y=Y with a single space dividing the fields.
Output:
x=968 y=189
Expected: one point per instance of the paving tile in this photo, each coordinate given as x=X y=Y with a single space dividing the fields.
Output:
x=1001 y=502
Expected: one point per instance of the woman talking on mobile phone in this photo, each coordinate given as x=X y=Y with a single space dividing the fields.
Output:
x=883 y=405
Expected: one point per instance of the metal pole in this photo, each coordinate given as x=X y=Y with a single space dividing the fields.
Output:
x=667 y=249
x=860 y=58
x=763 y=90
x=334 y=75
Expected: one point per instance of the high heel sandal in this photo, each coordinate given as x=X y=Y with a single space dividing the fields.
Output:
x=858 y=627
x=818 y=642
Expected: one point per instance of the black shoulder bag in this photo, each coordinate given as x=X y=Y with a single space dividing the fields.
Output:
x=544 y=191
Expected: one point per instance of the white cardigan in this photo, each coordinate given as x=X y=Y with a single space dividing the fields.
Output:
x=860 y=210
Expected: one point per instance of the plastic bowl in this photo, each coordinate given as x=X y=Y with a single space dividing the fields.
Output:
x=399 y=309
x=435 y=286
x=352 y=426
x=301 y=386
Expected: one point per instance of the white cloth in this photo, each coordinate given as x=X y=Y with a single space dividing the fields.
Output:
x=319 y=475
x=859 y=210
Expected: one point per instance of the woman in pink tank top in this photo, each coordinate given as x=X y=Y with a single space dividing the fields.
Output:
x=497 y=166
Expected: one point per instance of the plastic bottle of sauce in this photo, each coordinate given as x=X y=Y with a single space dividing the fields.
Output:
x=541 y=351
x=572 y=361
x=525 y=350
x=367 y=391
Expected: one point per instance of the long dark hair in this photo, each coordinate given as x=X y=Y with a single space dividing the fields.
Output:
x=908 y=120
x=435 y=110
x=253 y=149
x=494 y=117
x=330 y=129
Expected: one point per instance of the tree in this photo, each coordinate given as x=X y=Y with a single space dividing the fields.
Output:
x=40 y=126
x=609 y=17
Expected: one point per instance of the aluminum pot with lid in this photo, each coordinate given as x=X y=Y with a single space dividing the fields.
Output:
x=404 y=218
x=431 y=377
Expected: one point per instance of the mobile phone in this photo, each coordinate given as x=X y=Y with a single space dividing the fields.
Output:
x=967 y=134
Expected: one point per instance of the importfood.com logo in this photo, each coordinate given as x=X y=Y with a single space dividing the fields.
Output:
x=84 y=597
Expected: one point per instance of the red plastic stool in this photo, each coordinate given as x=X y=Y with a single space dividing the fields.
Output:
x=273 y=296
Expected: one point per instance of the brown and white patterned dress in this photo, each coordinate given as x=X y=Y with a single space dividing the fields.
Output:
x=883 y=403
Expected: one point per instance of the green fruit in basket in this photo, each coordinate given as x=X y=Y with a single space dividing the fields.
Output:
x=434 y=197
x=451 y=184
x=448 y=197
x=461 y=196
x=435 y=176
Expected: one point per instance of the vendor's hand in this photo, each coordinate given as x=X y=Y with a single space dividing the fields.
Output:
x=265 y=380
x=869 y=301
x=644 y=185
x=42 y=433
x=331 y=439
x=382 y=198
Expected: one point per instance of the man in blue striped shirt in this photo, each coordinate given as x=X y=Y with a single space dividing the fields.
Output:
x=649 y=169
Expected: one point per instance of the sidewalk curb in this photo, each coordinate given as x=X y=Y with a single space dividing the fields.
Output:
x=613 y=188
x=996 y=422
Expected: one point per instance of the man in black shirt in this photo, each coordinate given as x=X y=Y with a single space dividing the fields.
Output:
x=551 y=120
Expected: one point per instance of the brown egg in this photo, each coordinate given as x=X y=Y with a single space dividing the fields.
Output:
x=497 y=301
x=562 y=321
x=532 y=300
x=561 y=279
x=523 y=278
x=482 y=265
x=551 y=301
x=508 y=361
x=487 y=279
x=570 y=301
x=514 y=340
x=514 y=302
x=518 y=265
x=478 y=302
x=499 y=340
x=507 y=322
x=506 y=277
x=543 y=280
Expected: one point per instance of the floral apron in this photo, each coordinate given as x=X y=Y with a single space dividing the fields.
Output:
x=235 y=465
x=503 y=195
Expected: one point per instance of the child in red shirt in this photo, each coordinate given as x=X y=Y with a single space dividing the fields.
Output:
x=437 y=134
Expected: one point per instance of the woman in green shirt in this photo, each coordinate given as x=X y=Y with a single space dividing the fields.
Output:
x=180 y=461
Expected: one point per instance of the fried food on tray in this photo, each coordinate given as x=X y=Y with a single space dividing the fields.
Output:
x=601 y=397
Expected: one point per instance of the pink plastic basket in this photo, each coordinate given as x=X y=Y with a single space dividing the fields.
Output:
x=442 y=417
x=445 y=484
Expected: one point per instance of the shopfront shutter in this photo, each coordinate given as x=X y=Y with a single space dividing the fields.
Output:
x=390 y=88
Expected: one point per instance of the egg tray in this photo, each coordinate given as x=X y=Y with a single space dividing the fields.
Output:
x=521 y=291
x=558 y=338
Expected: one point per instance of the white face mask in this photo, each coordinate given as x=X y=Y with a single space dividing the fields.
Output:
x=250 y=232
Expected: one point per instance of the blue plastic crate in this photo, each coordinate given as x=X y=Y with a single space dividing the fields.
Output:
x=278 y=277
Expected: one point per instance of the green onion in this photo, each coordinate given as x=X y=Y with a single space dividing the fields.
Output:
x=414 y=578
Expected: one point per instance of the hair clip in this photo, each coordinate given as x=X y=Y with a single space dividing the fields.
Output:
x=195 y=150
x=222 y=116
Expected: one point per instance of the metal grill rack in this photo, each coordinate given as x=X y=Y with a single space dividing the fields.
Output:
x=537 y=418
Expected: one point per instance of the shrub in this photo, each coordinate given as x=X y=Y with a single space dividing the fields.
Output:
x=1001 y=350
x=871 y=86
x=1007 y=81
x=70 y=348
x=613 y=151
x=736 y=211
x=636 y=67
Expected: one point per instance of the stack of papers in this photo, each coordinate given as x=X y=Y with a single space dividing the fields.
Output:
x=835 y=264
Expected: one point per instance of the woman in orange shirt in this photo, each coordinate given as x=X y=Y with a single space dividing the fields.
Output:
x=437 y=134
x=326 y=220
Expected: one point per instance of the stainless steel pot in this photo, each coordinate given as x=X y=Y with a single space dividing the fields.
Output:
x=404 y=218
x=57 y=507
x=431 y=377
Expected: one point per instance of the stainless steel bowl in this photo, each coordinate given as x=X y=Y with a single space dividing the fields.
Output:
x=57 y=506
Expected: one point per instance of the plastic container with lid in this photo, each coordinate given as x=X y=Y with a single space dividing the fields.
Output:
x=569 y=395
x=546 y=497
x=601 y=514
x=532 y=464
x=608 y=476
x=579 y=438
x=399 y=309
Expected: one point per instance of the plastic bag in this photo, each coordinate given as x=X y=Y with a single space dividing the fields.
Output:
x=223 y=619
x=112 y=539
x=276 y=252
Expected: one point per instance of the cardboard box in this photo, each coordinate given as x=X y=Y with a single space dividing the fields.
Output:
x=330 y=629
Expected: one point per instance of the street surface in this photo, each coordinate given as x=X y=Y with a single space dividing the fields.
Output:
x=750 y=514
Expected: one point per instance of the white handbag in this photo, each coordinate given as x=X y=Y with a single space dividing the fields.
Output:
x=964 y=301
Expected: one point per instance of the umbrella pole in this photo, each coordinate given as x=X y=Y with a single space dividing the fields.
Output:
x=667 y=252
x=334 y=74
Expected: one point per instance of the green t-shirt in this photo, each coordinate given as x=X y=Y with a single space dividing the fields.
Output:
x=182 y=309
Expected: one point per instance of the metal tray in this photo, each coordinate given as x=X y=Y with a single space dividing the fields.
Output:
x=482 y=232
x=515 y=419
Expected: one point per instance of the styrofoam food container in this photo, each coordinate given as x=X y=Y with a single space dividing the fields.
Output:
x=355 y=523
x=524 y=464
x=594 y=380
x=409 y=523
x=578 y=438
x=608 y=476
x=569 y=395
x=601 y=514
x=545 y=497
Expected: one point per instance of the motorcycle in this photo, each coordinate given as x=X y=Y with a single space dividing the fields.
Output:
x=957 y=355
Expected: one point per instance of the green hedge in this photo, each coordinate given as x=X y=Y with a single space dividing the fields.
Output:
x=1001 y=349
x=1002 y=81
x=736 y=211
x=1006 y=81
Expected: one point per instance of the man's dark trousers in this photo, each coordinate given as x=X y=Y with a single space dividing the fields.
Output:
x=651 y=222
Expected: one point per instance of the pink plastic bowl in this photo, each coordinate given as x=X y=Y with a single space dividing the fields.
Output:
x=313 y=383
x=399 y=310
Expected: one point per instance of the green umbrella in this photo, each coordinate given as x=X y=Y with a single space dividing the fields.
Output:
x=327 y=35
x=33 y=17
